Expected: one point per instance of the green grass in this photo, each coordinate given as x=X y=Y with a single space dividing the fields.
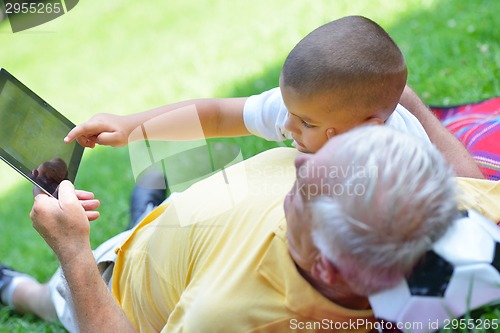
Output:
x=124 y=57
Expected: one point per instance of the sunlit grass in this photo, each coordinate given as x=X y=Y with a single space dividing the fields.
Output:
x=124 y=57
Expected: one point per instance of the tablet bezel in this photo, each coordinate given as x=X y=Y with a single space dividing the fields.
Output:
x=77 y=153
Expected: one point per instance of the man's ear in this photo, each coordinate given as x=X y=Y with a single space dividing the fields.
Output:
x=324 y=271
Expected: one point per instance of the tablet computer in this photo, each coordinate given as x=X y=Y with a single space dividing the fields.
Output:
x=32 y=137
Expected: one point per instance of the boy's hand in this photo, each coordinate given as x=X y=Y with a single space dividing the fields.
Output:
x=104 y=129
x=64 y=223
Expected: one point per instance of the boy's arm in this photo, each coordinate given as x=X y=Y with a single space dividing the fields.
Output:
x=452 y=149
x=222 y=117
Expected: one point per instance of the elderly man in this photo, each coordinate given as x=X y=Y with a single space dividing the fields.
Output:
x=360 y=213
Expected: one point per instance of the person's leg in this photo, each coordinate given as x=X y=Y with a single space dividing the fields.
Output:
x=25 y=294
x=52 y=301
x=150 y=191
x=33 y=297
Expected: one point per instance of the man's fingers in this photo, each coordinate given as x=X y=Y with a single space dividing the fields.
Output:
x=92 y=215
x=41 y=203
x=87 y=200
x=67 y=195
x=43 y=207
x=84 y=195
x=89 y=205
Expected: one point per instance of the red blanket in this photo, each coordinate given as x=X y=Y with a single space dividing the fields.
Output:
x=477 y=126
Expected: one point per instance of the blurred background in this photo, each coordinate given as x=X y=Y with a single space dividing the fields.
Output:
x=125 y=57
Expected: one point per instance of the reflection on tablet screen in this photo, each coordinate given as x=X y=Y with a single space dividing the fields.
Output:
x=32 y=134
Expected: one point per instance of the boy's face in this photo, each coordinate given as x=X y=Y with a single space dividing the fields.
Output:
x=309 y=183
x=312 y=121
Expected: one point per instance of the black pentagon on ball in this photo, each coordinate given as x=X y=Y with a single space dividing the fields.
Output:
x=496 y=257
x=431 y=275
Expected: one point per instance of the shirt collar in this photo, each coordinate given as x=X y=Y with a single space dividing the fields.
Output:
x=279 y=270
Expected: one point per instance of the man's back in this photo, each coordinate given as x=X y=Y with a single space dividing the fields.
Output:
x=229 y=271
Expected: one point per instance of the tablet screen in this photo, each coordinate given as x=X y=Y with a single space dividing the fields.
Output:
x=32 y=134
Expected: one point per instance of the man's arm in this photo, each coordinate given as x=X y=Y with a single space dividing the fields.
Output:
x=452 y=149
x=64 y=225
x=218 y=117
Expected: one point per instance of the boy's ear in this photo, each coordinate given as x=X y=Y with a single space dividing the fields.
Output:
x=325 y=271
x=330 y=133
x=374 y=121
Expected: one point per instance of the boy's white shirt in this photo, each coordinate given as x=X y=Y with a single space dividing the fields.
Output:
x=265 y=116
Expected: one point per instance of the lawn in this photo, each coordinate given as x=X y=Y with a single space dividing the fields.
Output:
x=125 y=57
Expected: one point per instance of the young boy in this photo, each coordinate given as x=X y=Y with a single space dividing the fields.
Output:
x=346 y=73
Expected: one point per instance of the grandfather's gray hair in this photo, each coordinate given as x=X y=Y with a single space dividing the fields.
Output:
x=376 y=235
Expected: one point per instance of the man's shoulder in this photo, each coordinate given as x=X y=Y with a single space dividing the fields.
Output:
x=480 y=194
x=275 y=155
x=272 y=169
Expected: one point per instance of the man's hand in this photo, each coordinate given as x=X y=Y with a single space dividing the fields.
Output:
x=64 y=223
x=104 y=129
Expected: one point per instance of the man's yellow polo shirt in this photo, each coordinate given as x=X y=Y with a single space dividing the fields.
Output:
x=190 y=270
x=482 y=195
x=216 y=259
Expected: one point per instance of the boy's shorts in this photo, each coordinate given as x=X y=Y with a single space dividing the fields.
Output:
x=59 y=292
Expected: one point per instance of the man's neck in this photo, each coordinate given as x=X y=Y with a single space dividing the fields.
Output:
x=340 y=295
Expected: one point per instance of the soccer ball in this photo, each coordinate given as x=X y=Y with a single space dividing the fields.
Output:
x=460 y=273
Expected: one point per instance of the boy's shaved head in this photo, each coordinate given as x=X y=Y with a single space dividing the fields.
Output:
x=352 y=59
